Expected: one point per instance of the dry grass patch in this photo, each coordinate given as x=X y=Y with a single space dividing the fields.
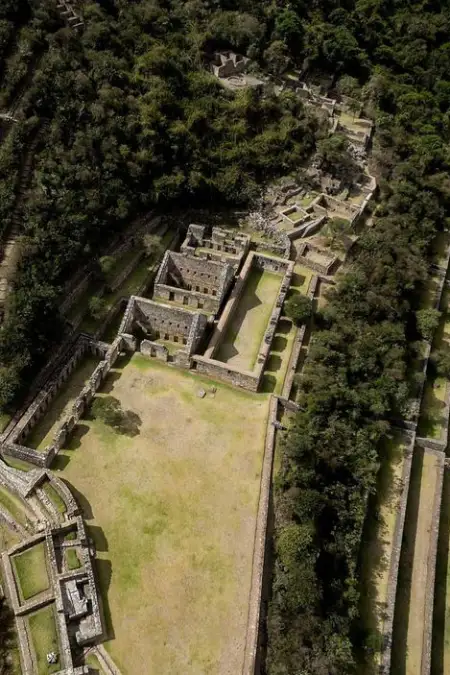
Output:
x=174 y=511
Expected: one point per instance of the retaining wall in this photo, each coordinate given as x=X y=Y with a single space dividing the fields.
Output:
x=254 y=613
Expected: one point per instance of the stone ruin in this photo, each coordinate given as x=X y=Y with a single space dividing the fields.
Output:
x=218 y=244
x=230 y=67
x=72 y=592
x=195 y=282
x=228 y=63
x=163 y=322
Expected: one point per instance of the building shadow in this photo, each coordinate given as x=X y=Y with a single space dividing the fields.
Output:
x=104 y=572
x=81 y=500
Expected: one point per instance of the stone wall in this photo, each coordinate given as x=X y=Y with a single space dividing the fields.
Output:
x=226 y=373
x=192 y=281
x=388 y=623
x=149 y=348
x=44 y=459
x=48 y=392
x=329 y=262
x=254 y=612
x=242 y=378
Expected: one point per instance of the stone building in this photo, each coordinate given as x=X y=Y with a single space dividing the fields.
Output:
x=218 y=244
x=226 y=64
x=194 y=282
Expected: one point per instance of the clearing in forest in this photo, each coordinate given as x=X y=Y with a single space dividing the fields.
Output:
x=172 y=510
x=242 y=340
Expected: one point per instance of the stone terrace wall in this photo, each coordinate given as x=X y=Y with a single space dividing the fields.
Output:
x=45 y=458
x=48 y=392
x=394 y=563
x=254 y=612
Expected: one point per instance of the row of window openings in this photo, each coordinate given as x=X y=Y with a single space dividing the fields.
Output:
x=174 y=339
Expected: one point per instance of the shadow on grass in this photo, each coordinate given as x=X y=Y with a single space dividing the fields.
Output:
x=110 y=380
x=279 y=343
x=104 y=573
x=441 y=625
x=77 y=435
x=433 y=420
x=97 y=534
x=403 y=598
x=274 y=363
x=284 y=326
x=269 y=383
x=81 y=500
x=248 y=301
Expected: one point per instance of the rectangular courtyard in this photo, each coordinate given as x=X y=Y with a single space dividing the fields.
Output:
x=172 y=508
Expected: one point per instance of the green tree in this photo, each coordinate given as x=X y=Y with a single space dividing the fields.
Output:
x=298 y=308
x=427 y=322
x=153 y=245
x=98 y=307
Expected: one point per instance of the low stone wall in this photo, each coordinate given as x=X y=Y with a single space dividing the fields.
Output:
x=149 y=348
x=227 y=373
x=43 y=400
x=254 y=612
x=325 y=268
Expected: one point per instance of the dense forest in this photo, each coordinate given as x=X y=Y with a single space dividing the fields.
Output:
x=133 y=120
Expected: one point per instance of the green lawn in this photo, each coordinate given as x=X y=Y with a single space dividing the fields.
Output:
x=54 y=497
x=73 y=561
x=42 y=628
x=42 y=434
x=301 y=278
x=175 y=543
x=13 y=505
x=31 y=571
x=92 y=661
x=242 y=340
